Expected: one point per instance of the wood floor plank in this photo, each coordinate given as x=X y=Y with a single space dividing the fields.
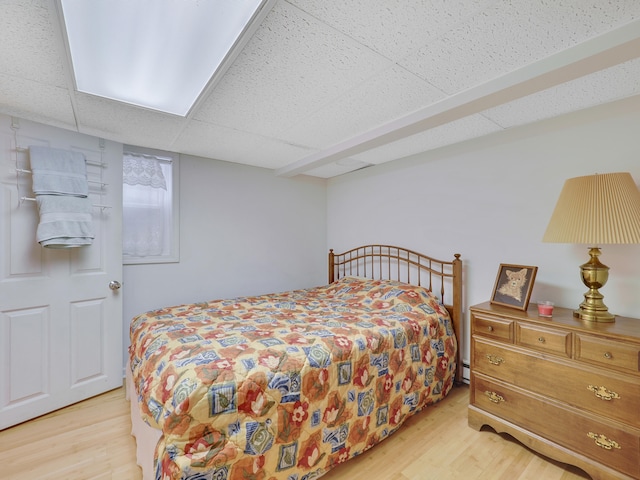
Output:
x=91 y=440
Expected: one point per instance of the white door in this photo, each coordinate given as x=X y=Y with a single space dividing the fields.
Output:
x=60 y=323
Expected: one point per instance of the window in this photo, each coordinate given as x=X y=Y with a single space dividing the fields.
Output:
x=149 y=206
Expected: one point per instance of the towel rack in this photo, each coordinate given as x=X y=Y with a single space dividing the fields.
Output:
x=102 y=184
x=88 y=162
x=31 y=199
x=15 y=125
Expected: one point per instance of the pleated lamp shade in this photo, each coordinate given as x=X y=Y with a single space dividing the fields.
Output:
x=596 y=210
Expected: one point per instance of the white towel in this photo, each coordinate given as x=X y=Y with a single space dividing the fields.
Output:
x=65 y=221
x=58 y=172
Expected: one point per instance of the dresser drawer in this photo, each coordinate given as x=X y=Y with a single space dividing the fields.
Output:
x=544 y=339
x=600 y=351
x=605 y=441
x=492 y=327
x=612 y=395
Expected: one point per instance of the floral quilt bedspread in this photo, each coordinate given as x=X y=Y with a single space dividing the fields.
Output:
x=287 y=386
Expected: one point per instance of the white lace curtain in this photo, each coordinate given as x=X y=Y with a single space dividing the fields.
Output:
x=144 y=214
x=143 y=170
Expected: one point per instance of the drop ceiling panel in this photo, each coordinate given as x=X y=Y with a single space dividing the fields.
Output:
x=213 y=141
x=29 y=46
x=512 y=34
x=37 y=102
x=384 y=97
x=393 y=28
x=126 y=123
x=293 y=66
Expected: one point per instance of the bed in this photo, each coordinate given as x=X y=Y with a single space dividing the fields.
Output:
x=290 y=385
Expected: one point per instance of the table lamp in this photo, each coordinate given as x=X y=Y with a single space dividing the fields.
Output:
x=596 y=210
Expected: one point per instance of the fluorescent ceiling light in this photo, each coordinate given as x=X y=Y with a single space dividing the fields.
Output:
x=158 y=54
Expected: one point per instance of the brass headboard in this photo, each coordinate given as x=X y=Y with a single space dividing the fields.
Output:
x=443 y=278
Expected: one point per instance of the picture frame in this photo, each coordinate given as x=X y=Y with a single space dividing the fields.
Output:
x=513 y=285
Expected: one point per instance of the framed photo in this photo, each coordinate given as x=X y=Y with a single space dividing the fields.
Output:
x=514 y=284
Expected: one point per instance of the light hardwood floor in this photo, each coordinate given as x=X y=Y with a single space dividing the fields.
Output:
x=91 y=440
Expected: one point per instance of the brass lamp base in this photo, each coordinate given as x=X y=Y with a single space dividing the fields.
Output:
x=594 y=275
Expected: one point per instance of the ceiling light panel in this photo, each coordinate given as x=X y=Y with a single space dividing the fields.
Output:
x=158 y=54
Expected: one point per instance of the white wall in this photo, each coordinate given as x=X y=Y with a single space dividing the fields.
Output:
x=490 y=199
x=243 y=231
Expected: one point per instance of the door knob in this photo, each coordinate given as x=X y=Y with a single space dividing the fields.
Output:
x=114 y=285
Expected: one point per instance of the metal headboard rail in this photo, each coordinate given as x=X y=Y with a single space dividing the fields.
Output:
x=402 y=259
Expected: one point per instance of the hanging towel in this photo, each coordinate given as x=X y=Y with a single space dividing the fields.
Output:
x=65 y=221
x=58 y=172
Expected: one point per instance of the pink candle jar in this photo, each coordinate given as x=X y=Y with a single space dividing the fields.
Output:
x=545 y=309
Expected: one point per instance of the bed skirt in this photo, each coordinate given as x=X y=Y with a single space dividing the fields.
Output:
x=146 y=436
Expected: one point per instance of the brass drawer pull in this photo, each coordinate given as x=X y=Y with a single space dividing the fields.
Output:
x=541 y=339
x=608 y=355
x=494 y=359
x=494 y=397
x=490 y=328
x=603 y=392
x=604 y=442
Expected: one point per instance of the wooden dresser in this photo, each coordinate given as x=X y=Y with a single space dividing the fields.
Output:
x=566 y=388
